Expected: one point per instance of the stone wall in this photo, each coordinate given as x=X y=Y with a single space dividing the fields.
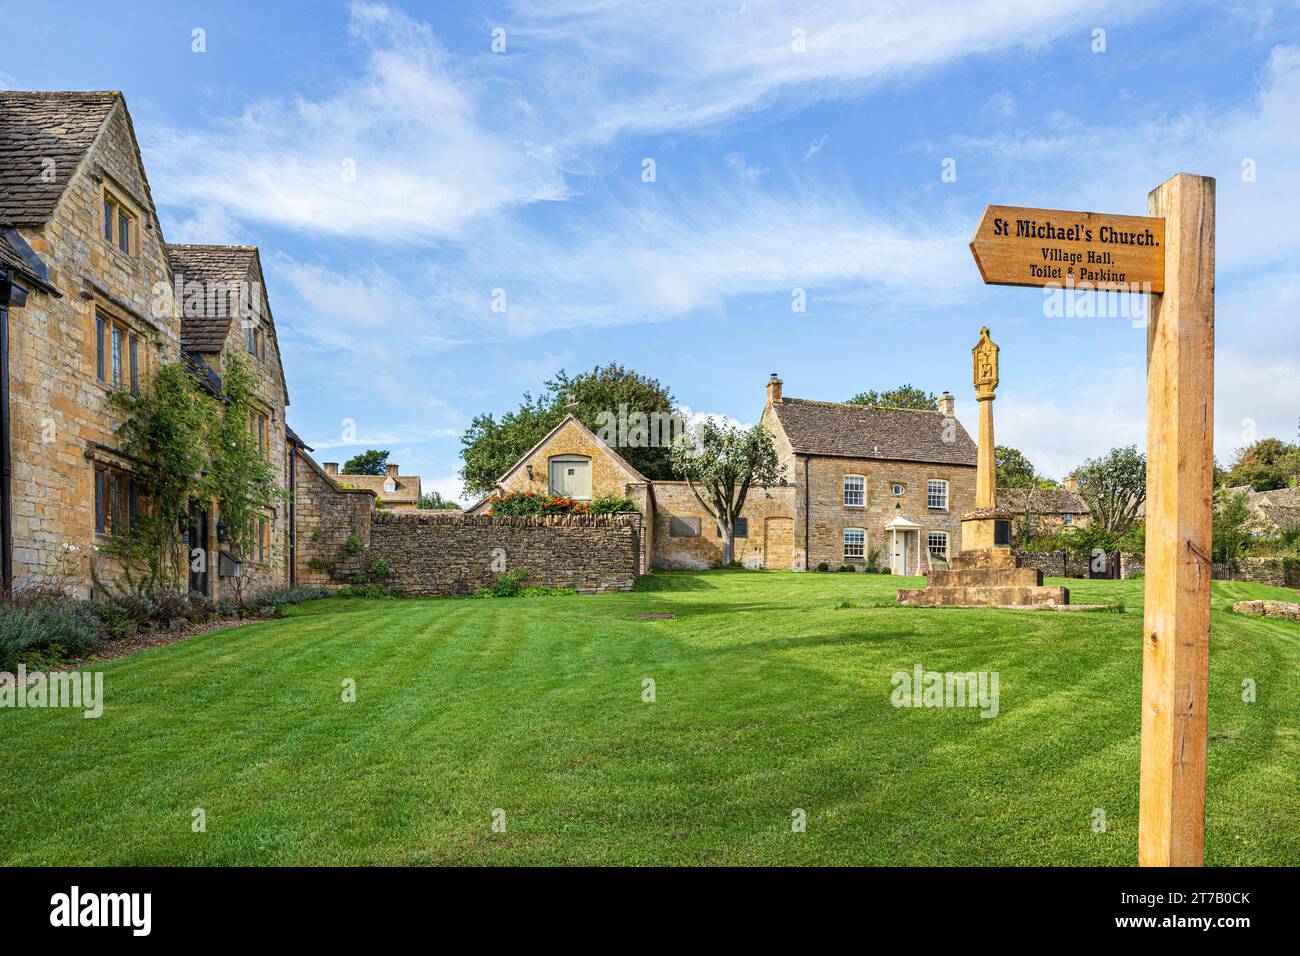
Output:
x=1275 y=571
x=325 y=517
x=1055 y=564
x=768 y=542
x=451 y=553
x=1131 y=564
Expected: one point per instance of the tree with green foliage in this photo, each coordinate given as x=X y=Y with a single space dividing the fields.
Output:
x=434 y=501
x=905 y=396
x=1014 y=470
x=369 y=462
x=610 y=400
x=721 y=464
x=1265 y=465
x=239 y=475
x=1114 y=487
x=165 y=429
x=1233 y=520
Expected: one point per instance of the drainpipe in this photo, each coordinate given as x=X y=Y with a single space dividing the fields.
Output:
x=807 y=518
x=7 y=292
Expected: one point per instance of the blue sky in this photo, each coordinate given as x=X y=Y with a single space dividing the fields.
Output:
x=776 y=168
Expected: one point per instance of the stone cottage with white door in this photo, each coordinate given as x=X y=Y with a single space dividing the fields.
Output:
x=860 y=482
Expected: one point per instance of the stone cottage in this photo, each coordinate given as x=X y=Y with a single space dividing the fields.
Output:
x=90 y=308
x=221 y=294
x=76 y=210
x=860 y=483
x=393 y=491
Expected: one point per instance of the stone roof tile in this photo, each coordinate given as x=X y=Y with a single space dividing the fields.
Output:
x=865 y=431
x=43 y=137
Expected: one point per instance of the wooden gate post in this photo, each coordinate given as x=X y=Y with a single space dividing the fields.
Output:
x=1179 y=513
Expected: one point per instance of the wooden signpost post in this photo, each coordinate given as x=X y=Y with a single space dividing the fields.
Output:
x=1169 y=254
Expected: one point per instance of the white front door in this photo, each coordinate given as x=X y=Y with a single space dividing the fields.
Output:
x=902 y=552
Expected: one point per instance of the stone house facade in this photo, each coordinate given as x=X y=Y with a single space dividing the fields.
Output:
x=221 y=294
x=91 y=307
x=75 y=206
x=888 y=483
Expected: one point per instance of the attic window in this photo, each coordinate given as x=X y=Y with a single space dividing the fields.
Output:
x=390 y=486
x=119 y=224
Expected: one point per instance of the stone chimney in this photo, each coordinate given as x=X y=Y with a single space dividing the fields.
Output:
x=947 y=405
x=390 y=470
x=773 y=390
x=332 y=468
x=1071 y=484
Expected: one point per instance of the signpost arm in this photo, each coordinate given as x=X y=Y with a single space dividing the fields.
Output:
x=1179 y=513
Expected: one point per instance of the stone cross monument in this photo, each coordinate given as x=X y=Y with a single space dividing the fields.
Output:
x=986 y=571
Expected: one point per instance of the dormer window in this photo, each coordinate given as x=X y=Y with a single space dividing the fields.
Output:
x=119 y=224
x=389 y=486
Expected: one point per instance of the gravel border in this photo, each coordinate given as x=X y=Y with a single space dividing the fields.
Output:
x=113 y=648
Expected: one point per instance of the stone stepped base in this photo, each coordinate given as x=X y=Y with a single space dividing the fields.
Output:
x=983 y=596
x=987 y=577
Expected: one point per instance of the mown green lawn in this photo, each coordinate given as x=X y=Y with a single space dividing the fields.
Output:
x=772 y=693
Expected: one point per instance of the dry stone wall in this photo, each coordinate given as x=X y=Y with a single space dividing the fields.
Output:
x=442 y=553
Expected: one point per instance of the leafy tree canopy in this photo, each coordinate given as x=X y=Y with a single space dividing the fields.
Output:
x=721 y=463
x=1114 y=487
x=369 y=462
x=608 y=400
x=905 y=396
x=1267 y=464
x=434 y=501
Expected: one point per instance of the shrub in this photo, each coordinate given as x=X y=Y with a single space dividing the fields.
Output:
x=846 y=567
x=368 y=591
x=380 y=568
x=352 y=545
x=611 y=503
x=823 y=566
x=47 y=628
x=531 y=503
x=886 y=571
x=278 y=597
x=317 y=563
x=509 y=584
x=114 y=619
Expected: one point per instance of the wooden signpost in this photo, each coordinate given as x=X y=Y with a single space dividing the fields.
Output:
x=1171 y=255
x=1038 y=247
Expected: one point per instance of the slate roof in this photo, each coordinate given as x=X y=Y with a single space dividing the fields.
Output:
x=207 y=332
x=1045 y=501
x=864 y=431
x=34 y=129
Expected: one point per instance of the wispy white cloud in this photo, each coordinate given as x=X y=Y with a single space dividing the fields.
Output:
x=816 y=146
x=406 y=150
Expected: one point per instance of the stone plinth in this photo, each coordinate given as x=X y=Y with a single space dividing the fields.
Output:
x=984 y=577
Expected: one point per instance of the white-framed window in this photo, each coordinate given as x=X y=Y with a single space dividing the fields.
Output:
x=389 y=486
x=855 y=491
x=855 y=543
x=936 y=494
x=1067 y=519
x=897 y=490
x=938 y=544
